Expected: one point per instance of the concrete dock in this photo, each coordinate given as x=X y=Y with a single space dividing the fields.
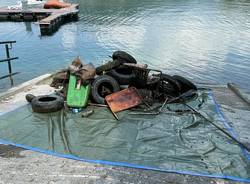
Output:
x=49 y=20
x=24 y=166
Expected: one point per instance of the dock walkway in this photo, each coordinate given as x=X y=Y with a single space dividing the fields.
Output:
x=49 y=20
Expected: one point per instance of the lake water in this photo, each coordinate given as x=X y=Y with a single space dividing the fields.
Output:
x=205 y=41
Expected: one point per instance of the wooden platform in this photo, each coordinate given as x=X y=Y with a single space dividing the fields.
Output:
x=48 y=19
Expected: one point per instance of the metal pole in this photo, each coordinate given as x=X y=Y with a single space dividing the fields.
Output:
x=9 y=64
x=219 y=128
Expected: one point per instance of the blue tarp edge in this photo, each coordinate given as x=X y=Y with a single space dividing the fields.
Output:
x=124 y=164
x=226 y=124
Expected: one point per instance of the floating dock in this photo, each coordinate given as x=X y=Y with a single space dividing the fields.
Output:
x=49 y=20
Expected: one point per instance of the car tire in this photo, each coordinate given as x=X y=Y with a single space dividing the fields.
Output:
x=122 y=74
x=124 y=57
x=186 y=85
x=168 y=90
x=172 y=81
x=103 y=81
x=47 y=103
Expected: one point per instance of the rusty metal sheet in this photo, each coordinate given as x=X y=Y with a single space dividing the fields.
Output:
x=123 y=100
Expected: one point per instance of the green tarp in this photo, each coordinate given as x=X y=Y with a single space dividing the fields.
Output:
x=177 y=142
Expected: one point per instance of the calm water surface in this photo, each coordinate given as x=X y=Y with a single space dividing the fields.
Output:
x=206 y=41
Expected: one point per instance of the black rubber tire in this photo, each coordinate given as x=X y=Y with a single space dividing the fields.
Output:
x=108 y=66
x=122 y=74
x=172 y=81
x=168 y=90
x=124 y=57
x=186 y=85
x=103 y=80
x=47 y=103
x=29 y=97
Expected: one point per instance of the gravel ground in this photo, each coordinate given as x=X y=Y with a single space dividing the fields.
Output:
x=24 y=166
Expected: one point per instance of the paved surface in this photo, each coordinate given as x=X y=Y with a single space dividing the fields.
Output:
x=24 y=166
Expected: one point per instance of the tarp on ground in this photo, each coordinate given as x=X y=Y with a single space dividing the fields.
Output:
x=173 y=142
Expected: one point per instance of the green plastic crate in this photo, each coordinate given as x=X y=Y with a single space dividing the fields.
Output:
x=77 y=97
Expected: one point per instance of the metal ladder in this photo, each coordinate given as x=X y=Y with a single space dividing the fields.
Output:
x=8 y=47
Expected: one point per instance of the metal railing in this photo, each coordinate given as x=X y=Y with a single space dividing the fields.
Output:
x=8 y=47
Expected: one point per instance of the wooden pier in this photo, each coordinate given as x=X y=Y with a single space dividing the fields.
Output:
x=48 y=19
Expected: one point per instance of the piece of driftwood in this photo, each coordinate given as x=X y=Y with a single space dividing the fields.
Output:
x=235 y=89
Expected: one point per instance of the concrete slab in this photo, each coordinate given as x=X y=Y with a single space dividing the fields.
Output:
x=32 y=167
x=15 y=97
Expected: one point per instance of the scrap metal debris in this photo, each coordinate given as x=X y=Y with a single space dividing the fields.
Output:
x=101 y=86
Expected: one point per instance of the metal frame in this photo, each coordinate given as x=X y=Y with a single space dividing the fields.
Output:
x=8 y=47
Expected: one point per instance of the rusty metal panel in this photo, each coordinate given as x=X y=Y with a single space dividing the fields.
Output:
x=124 y=99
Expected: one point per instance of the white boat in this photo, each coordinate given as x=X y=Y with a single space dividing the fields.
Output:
x=31 y=3
x=24 y=4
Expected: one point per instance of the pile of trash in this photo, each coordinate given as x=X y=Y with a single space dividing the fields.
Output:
x=119 y=84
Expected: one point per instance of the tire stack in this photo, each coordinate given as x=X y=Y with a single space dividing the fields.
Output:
x=121 y=71
x=114 y=74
